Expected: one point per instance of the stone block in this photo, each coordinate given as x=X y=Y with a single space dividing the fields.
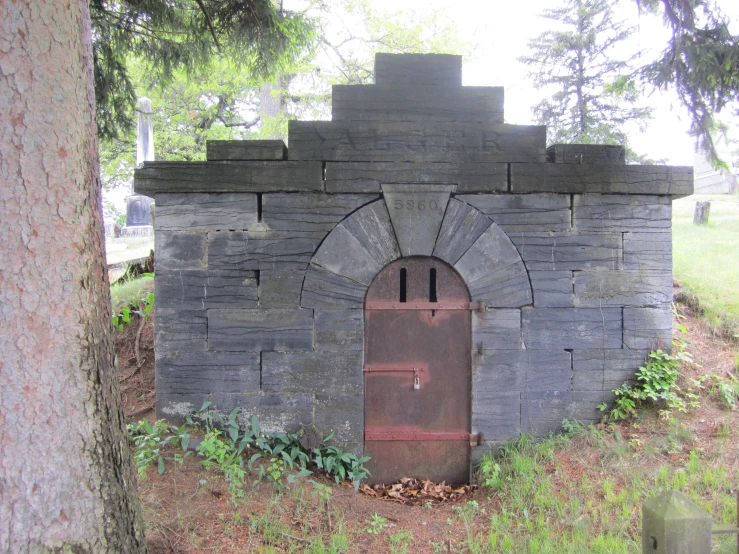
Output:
x=552 y=289
x=179 y=250
x=568 y=251
x=198 y=289
x=495 y=414
x=543 y=412
x=620 y=213
x=339 y=330
x=602 y=179
x=344 y=416
x=325 y=290
x=524 y=212
x=522 y=370
x=367 y=176
x=179 y=330
x=492 y=251
x=461 y=227
x=274 y=250
x=329 y=373
x=605 y=369
x=416 y=103
x=371 y=226
x=343 y=254
x=494 y=272
x=587 y=154
x=207 y=372
x=648 y=251
x=276 y=413
x=393 y=141
x=496 y=329
x=416 y=212
x=212 y=177
x=232 y=330
x=309 y=212
x=648 y=328
x=507 y=287
x=596 y=288
x=402 y=70
x=242 y=150
x=571 y=328
x=280 y=289
x=198 y=211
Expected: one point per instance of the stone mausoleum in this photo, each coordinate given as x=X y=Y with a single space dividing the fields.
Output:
x=415 y=275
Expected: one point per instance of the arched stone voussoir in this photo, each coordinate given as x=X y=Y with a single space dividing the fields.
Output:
x=461 y=227
x=352 y=254
x=495 y=272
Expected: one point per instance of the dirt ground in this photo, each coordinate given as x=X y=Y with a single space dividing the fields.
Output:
x=188 y=509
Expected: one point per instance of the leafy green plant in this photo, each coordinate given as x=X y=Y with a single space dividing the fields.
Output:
x=728 y=392
x=149 y=440
x=489 y=472
x=139 y=306
x=275 y=471
x=656 y=384
x=377 y=524
x=324 y=493
x=220 y=453
x=334 y=461
x=725 y=390
x=342 y=465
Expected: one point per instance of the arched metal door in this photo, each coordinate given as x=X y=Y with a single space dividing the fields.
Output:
x=417 y=373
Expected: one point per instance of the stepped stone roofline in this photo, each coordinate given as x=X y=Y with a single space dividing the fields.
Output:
x=417 y=124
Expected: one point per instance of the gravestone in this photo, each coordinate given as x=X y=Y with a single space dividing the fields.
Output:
x=138 y=212
x=702 y=211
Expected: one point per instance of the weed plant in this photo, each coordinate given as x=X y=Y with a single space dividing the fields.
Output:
x=656 y=385
x=225 y=443
x=377 y=524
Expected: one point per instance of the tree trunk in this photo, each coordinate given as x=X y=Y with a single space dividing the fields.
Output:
x=702 y=211
x=66 y=479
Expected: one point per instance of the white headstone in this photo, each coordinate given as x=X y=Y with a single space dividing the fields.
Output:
x=145 y=133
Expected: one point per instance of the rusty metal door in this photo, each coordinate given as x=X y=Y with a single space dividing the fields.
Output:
x=417 y=373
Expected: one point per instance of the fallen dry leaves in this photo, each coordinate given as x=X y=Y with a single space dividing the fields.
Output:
x=416 y=491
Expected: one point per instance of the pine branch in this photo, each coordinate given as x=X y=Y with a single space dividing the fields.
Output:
x=210 y=24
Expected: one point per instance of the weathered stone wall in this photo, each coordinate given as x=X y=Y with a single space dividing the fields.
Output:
x=263 y=262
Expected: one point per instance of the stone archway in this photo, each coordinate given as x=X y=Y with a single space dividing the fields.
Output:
x=365 y=242
x=371 y=238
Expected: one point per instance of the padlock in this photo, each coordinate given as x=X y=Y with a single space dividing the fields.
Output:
x=416 y=382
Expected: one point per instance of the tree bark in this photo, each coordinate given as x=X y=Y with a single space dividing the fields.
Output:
x=66 y=479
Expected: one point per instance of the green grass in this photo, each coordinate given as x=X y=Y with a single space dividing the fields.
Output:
x=130 y=290
x=706 y=258
x=584 y=494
